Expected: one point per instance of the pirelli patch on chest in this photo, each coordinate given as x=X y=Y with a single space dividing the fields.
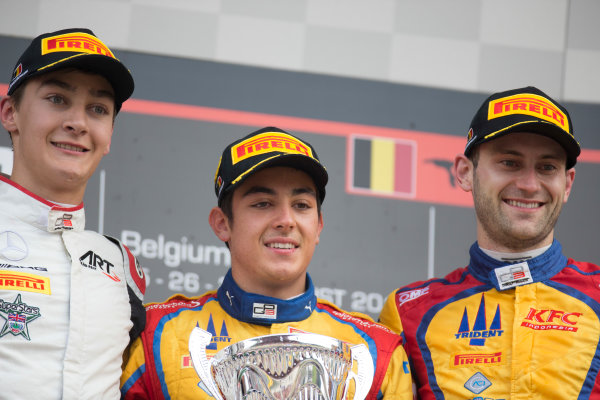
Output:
x=22 y=281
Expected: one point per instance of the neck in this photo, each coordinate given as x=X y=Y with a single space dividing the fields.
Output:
x=53 y=194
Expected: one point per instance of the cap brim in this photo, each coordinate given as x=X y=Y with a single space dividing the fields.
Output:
x=552 y=131
x=313 y=168
x=115 y=73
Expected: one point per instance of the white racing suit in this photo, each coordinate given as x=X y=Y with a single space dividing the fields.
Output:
x=70 y=300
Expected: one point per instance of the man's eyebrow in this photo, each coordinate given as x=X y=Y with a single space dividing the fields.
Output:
x=66 y=86
x=549 y=156
x=57 y=82
x=304 y=190
x=258 y=189
x=266 y=190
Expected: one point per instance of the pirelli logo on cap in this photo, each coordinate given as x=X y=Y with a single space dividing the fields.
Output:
x=75 y=42
x=268 y=142
x=529 y=104
x=23 y=281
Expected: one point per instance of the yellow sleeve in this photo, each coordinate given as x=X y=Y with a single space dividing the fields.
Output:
x=397 y=383
x=389 y=314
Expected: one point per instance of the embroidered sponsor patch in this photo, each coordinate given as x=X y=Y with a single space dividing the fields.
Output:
x=478 y=383
x=471 y=359
x=12 y=246
x=546 y=319
x=75 y=42
x=17 y=315
x=23 y=281
x=403 y=297
x=480 y=332
x=268 y=142
x=529 y=104
x=264 y=311
x=64 y=223
x=513 y=275
x=93 y=261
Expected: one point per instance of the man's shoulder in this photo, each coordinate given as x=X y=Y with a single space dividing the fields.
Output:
x=431 y=290
x=359 y=320
x=585 y=267
x=179 y=302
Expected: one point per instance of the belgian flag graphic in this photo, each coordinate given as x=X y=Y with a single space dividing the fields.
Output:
x=384 y=166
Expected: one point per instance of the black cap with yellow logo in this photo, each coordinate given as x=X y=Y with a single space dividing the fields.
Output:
x=264 y=148
x=523 y=110
x=72 y=48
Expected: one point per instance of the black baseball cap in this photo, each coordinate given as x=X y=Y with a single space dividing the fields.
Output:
x=72 y=48
x=265 y=148
x=526 y=109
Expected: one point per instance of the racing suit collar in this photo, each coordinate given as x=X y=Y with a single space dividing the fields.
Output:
x=540 y=268
x=264 y=310
x=39 y=212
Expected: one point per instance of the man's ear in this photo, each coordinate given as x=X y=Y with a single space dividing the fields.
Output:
x=107 y=149
x=463 y=172
x=219 y=223
x=320 y=229
x=7 y=114
x=570 y=174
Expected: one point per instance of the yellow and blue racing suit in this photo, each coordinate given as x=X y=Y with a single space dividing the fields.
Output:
x=158 y=364
x=497 y=330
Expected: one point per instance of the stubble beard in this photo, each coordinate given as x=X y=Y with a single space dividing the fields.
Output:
x=500 y=229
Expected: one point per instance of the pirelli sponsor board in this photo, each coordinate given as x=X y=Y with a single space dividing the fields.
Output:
x=268 y=142
x=529 y=104
x=23 y=281
x=471 y=359
x=75 y=42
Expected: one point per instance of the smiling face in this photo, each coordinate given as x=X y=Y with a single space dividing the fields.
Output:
x=519 y=184
x=60 y=130
x=276 y=229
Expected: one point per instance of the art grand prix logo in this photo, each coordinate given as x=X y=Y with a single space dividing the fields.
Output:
x=480 y=331
x=17 y=315
x=93 y=261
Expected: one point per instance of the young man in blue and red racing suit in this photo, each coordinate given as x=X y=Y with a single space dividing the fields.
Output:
x=270 y=186
x=521 y=321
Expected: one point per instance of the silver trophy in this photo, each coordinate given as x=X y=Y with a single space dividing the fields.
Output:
x=293 y=366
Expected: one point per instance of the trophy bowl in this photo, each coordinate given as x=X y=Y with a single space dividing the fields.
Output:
x=293 y=366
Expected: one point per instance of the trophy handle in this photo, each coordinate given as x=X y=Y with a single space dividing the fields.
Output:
x=364 y=376
x=199 y=339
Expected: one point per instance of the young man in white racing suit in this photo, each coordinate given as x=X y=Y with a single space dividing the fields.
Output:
x=70 y=299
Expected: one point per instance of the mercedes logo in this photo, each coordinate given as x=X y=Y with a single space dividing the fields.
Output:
x=12 y=246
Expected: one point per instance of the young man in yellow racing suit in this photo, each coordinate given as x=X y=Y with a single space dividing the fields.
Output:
x=521 y=321
x=270 y=186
